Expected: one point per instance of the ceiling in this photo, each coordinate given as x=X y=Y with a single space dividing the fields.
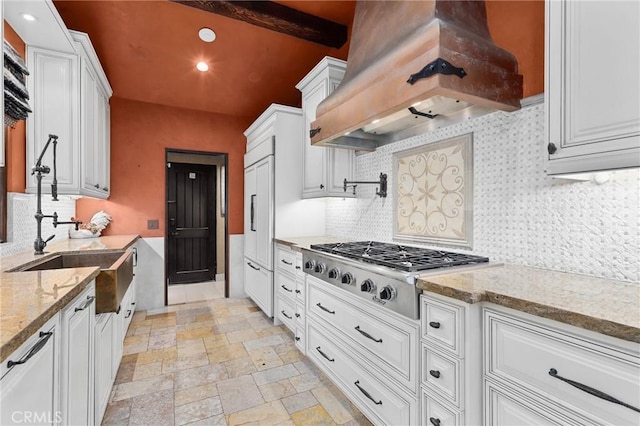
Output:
x=149 y=49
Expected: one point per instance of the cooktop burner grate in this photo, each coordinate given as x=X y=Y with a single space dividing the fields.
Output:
x=404 y=258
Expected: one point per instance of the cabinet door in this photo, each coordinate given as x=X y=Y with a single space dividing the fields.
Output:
x=258 y=284
x=314 y=161
x=53 y=87
x=593 y=89
x=250 y=196
x=29 y=390
x=103 y=363
x=263 y=206
x=89 y=118
x=341 y=166
x=78 y=323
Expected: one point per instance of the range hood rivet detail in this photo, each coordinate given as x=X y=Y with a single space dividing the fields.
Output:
x=439 y=66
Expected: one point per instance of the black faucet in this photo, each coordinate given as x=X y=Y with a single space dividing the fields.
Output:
x=39 y=169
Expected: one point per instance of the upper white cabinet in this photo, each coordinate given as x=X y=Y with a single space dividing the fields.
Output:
x=70 y=98
x=592 y=86
x=324 y=169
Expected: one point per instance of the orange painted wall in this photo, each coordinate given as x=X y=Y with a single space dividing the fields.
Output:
x=518 y=27
x=16 y=142
x=140 y=132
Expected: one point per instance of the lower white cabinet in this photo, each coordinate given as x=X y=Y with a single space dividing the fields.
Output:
x=561 y=368
x=104 y=374
x=78 y=324
x=29 y=380
x=258 y=284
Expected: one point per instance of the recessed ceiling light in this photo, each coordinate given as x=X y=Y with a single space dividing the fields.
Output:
x=202 y=66
x=206 y=34
x=375 y=121
x=28 y=17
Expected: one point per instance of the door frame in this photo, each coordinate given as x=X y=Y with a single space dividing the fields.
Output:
x=225 y=204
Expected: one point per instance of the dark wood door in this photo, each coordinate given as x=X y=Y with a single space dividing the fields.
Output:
x=191 y=222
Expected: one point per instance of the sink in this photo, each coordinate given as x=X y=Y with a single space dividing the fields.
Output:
x=116 y=273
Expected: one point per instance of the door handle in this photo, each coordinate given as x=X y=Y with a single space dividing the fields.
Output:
x=253 y=267
x=253 y=201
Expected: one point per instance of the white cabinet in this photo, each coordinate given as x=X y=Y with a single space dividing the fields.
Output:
x=54 y=87
x=451 y=361
x=259 y=198
x=104 y=355
x=560 y=369
x=592 y=87
x=29 y=379
x=78 y=324
x=70 y=99
x=94 y=120
x=258 y=284
x=324 y=169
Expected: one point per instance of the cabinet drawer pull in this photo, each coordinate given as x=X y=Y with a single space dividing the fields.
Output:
x=297 y=267
x=286 y=288
x=44 y=337
x=297 y=315
x=588 y=389
x=324 y=309
x=118 y=310
x=128 y=313
x=285 y=262
x=434 y=324
x=105 y=188
x=297 y=339
x=367 y=335
x=435 y=373
x=325 y=355
x=297 y=291
x=434 y=421
x=253 y=267
x=88 y=303
x=287 y=316
x=357 y=383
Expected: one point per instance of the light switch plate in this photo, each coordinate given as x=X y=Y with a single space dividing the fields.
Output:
x=153 y=224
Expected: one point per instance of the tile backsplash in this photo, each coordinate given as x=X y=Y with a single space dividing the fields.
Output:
x=21 y=224
x=520 y=215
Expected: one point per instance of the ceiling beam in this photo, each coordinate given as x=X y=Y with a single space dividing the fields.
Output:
x=277 y=17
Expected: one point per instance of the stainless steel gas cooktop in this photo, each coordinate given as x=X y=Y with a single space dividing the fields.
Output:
x=384 y=273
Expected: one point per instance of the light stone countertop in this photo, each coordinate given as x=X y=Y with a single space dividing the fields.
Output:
x=597 y=304
x=29 y=299
x=601 y=305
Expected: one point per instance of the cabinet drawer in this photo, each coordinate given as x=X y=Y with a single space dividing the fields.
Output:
x=436 y=414
x=285 y=286
x=442 y=324
x=286 y=313
x=386 y=344
x=526 y=354
x=300 y=292
x=300 y=338
x=285 y=260
x=378 y=400
x=442 y=375
x=300 y=315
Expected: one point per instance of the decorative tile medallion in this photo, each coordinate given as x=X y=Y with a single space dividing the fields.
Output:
x=434 y=191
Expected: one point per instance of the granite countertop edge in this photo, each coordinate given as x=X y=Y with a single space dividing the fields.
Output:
x=563 y=314
x=21 y=336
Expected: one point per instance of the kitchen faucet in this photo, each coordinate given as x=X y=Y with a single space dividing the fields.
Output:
x=39 y=169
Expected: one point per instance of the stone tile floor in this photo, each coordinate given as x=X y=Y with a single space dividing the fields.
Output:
x=195 y=292
x=220 y=362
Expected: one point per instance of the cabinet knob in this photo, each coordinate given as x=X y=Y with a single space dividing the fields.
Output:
x=321 y=186
x=97 y=185
x=552 y=148
x=434 y=421
x=435 y=373
x=105 y=189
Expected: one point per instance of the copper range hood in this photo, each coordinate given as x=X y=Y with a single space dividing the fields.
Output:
x=414 y=66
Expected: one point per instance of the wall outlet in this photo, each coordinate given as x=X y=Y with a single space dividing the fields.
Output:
x=153 y=224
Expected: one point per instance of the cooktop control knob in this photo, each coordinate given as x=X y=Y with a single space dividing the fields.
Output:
x=334 y=273
x=348 y=279
x=387 y=293
x=367 y=286
x=320 y=268
x=309 y=265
